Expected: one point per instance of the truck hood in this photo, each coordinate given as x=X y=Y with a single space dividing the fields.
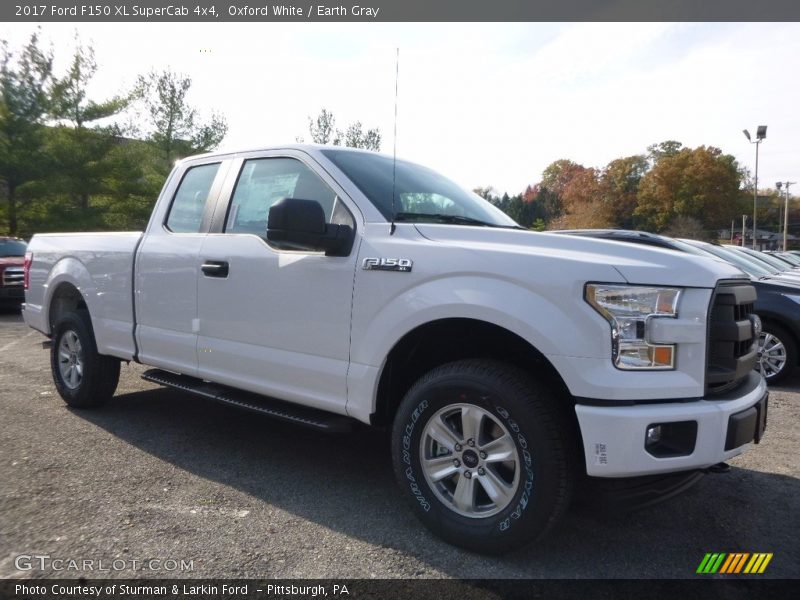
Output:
x=637 y=264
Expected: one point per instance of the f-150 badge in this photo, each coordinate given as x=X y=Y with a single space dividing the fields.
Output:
x=388 y=264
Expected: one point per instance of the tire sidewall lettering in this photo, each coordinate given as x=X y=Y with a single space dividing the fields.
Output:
x=408 y=433
x=526 y=485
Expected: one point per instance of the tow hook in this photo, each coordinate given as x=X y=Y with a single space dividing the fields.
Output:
x=721 y=467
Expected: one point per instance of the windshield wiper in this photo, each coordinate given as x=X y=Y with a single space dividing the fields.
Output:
x=442 y=218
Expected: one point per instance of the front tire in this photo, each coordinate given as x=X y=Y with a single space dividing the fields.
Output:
x=82 y=377
x=483 y=455
x=777 y=353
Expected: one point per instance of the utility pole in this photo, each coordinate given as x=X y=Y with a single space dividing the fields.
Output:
x=785 y=185
x=744 y=224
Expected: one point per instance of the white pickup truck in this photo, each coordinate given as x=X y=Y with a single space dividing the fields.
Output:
x=327 y=287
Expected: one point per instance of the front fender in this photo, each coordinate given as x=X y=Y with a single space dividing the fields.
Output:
x=555 y=322
x=551 y=325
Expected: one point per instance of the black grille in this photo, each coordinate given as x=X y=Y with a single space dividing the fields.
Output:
x=732 y=351
x=12 y=276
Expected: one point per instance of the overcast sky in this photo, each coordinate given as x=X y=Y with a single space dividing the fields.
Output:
x=486 y=104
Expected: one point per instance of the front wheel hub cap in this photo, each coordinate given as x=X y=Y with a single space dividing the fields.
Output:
x=470 y=459
x=772 y=355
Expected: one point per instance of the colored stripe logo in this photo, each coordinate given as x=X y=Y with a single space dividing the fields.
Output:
x=734 y=563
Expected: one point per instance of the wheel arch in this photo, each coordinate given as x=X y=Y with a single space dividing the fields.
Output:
x=67 y=288
x=793 y=329
x=441 y=341
x=66 y=299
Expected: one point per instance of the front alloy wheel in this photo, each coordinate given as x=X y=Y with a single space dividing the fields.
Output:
x=470 y=460
x=777 y=354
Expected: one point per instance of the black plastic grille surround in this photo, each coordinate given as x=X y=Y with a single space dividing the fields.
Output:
x=732 y=347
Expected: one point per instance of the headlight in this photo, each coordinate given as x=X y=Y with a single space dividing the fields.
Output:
x=629 y=309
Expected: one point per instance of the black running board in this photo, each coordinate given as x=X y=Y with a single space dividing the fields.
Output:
x=285 y=411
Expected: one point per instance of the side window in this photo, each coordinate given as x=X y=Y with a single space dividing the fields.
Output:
x=264 y=181
x=186 y=212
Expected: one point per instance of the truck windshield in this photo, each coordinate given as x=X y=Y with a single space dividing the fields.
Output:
x=421 y=194
x=12 y=248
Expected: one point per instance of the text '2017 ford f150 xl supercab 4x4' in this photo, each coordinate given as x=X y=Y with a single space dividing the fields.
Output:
x=328 y=286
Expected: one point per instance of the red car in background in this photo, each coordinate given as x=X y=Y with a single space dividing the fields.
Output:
x=12 y=258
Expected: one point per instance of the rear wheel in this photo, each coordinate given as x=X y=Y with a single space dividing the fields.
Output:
x=483 y=455
x=82 y=377
x=777 y=353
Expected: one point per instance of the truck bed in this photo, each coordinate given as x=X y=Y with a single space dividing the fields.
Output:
x=102 y=263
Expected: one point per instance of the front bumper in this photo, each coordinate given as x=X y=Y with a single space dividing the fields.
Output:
x=614 y=436
x=12 y=294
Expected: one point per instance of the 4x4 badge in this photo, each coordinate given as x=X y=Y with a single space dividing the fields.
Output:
x=403 y=265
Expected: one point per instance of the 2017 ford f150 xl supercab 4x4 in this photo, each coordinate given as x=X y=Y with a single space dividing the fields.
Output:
x=328 y=286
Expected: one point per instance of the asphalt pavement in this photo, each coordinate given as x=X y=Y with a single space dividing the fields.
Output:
x=161 y=484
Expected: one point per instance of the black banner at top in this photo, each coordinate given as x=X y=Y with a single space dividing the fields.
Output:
x=394 y=11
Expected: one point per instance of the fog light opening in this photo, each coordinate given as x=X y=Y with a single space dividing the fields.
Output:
x=665 y=440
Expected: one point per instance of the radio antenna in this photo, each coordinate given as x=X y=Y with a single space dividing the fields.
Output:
x=394 y=151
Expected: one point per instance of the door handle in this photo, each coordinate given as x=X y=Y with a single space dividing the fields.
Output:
x=215 y=268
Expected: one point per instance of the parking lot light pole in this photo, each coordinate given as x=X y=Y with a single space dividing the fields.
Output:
x=744 y=224
x=779 y=184
x=761 y=133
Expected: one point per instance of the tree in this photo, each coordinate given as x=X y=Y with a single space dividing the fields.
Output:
x=175 y=127
x=368 y=140
x=575 y=191
x=322 y=128
x=584 y=204
x=322 y=131
x=619 y=188
x=529 y=209
x=559 y=173
x=80 y=145
x=702 y=183
x=689 y=227
x=24 y=106
x=656 y=152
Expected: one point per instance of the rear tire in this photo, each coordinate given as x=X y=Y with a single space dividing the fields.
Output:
x=82 y=377
x=483 y=455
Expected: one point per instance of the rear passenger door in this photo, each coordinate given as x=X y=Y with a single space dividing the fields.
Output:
x=271 y=320
x=167 y=267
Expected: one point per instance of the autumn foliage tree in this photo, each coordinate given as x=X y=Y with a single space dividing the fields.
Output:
x=583 y=201
x=580 y=198
x=702 y=183
x=619 y=187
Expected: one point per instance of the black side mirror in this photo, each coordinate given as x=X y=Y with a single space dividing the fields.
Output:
x=300 y=224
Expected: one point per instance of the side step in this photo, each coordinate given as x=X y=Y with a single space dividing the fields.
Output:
x=285 y=411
